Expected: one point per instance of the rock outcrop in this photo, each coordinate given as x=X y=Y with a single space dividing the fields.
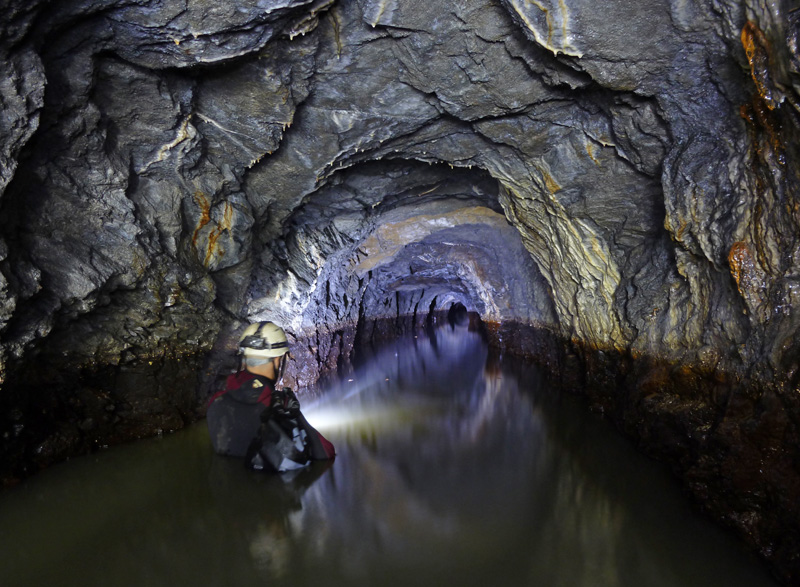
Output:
x=622 y=174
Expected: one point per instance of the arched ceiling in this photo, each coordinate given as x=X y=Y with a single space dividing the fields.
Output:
x=185 y=165
x=434 y=237
x=625 y=173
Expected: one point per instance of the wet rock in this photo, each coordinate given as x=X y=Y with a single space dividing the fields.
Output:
x=181 y=34
x=625 y=175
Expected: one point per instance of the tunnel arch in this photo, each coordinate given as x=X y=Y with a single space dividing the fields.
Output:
x=457 y=314
x=428 y=236
x=170 y=180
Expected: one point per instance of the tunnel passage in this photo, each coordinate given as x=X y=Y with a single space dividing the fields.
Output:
x=399 y=240
x=323 y=180
x=457 y=314
x=185 y=169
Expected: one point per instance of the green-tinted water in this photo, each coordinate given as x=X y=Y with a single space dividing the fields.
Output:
x=452 y=469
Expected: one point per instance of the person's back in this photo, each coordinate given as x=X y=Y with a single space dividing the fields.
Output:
x=242 y=417
x=234 y=414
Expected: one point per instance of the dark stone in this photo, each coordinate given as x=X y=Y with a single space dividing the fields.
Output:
x=62 y=412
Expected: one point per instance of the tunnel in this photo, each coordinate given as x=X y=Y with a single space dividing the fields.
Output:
x=609 y=190
x=387 y=248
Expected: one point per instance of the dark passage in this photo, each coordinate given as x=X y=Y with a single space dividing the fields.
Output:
x=455 y=467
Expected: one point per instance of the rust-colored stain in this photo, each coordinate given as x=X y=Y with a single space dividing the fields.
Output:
x=550 y=183
x=205 y=215
x=336 y=31
x=758 y=114
x=741 y=261
x=757 y=49
x=226 y=224
x=205 y=218
x=681 y=229
x=766 y=133
x=590 y=152
x=746 y=112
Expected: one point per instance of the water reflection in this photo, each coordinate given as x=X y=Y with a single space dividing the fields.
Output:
x=453 y=467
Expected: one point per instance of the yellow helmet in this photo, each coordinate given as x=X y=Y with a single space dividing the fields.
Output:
x=263 y=339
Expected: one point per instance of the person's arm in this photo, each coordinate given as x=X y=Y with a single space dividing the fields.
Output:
x=320 y=447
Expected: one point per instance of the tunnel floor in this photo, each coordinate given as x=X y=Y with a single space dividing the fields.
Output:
x=455 y=466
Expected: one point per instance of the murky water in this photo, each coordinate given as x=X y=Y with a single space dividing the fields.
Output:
x=453 y=468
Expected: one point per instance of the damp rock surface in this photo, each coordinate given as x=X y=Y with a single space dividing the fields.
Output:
x=623 y=175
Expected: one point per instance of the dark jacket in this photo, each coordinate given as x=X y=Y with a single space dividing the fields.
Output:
x=234 y=417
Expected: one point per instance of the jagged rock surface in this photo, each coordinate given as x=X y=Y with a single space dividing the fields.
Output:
x=623 y=174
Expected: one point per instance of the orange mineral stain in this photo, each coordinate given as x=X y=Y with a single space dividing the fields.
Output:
x=226 y=224
x=741 y=262
x=756 y=47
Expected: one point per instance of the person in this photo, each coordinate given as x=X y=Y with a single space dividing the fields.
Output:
x=250 y=418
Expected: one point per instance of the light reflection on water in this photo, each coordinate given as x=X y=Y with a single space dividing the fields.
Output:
x=453 y=468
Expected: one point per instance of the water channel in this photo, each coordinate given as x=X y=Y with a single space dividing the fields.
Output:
x=454 y=467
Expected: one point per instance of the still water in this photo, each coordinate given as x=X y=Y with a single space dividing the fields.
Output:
x=454 y=467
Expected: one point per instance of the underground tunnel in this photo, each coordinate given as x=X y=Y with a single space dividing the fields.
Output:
x=609 y=191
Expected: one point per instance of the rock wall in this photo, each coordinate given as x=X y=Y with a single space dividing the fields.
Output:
x=623 y=174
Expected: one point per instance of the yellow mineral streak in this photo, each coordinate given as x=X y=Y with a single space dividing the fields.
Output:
x=564 y=32
x=381 y=9
x=590 y=151
x=182 y=135
x=383 y=244
x=547 y=19
x=574 y=260
x=336 y=32
x=433 y=189
x=560 y=45
x=205 y=215
x=225 y=224
x=550 y=183
x=757 y=49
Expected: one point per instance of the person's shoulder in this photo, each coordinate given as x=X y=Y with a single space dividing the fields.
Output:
x=247 y=380
x=236 y=380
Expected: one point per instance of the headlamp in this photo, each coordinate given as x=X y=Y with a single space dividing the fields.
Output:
x=261 y=344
